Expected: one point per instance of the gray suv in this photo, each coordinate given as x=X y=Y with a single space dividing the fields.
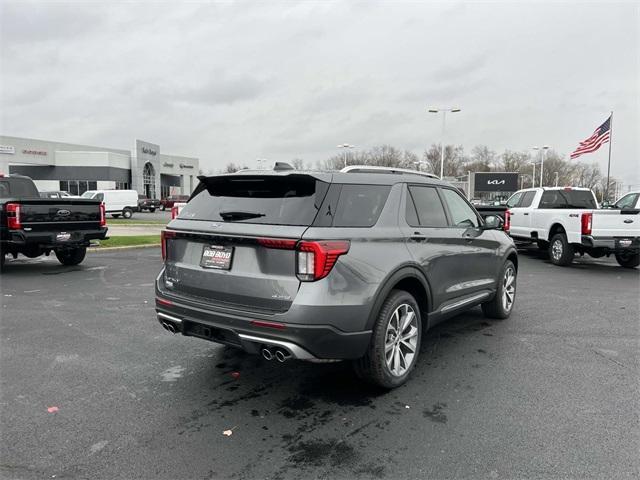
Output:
x=330 y=266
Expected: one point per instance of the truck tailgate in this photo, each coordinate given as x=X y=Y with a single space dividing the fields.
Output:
x=69 y=214
x=616 y=223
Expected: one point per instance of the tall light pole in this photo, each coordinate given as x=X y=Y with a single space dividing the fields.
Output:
x=261 y=163
x=543 y=157
x=444 y=119
x=346 y=147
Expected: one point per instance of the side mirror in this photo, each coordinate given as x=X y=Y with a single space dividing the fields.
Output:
x=492 y=222
x=605 y=204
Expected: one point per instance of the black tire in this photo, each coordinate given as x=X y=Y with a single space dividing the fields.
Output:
x=628 y=260
x=151 y=210
x=560 y=250
x=116 y=215
x=373 y=367
x=71 y=256
x=2 y=259
x=498 y=307
x=163 y=208
x=127 y=213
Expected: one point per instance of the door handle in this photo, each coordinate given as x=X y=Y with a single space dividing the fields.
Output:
x=525 y=214
x=416 y=237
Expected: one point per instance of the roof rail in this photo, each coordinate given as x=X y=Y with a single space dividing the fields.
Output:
x=376 y=169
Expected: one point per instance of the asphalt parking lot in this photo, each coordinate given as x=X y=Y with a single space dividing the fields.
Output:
x=550 y=393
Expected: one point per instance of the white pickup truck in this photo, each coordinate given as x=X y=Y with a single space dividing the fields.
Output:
x=567 y=221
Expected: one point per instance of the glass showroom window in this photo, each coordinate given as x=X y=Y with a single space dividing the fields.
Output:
x=77 y=187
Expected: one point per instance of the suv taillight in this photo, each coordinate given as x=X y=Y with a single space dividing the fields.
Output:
x=103 y=215
x=13 y=216
x=507 y=221
x=586 y=220
x=165 y=235
x=314 y=259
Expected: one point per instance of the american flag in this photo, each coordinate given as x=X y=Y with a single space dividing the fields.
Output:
x=593 y=143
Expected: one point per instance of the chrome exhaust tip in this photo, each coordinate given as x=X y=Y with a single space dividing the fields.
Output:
x=266 y=353
x=164 y=325
x=282 y=355
x=169 y=326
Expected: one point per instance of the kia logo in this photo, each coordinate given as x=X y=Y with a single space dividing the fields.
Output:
x=495 y=182
x=63 y=213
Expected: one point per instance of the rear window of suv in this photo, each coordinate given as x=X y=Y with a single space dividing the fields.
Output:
x=273 y=200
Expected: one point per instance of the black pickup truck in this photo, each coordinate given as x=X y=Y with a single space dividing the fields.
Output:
x=33 y=226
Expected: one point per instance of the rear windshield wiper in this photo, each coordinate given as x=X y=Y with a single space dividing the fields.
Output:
x=240 y=215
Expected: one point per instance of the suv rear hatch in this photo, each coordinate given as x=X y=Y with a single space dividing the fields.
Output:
x=233 y=244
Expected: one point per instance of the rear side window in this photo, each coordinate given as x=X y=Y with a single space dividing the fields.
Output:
x=360 y=205
x=567 y=199
x=424 y=208
x=527 y=199
x=462 y=215
x=628 y=201
x=287 y=200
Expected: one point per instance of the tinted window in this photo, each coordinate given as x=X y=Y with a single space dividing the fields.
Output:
x=287 y=200
x=567 y=199
x=360 y=205
x=527 y=199
x=428 y=207
x=462 y=215
x=628 y=201
x=18 y=187
x=513 y=201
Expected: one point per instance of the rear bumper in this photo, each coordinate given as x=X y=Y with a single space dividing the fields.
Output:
x=20 y=238
x=611 y=244
x=305 y=342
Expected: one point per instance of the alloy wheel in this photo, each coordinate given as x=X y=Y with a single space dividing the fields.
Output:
x=401 y=340
x=556 y=250
x=508 y=288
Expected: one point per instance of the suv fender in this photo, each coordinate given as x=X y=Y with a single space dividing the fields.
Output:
x=405 y=272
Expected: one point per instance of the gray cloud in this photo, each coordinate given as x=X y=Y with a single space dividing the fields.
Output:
x=237 y=81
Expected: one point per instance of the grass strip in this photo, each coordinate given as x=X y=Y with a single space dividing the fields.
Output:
x=130 y=241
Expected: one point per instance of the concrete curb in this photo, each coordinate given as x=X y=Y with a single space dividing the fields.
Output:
x=124 y=247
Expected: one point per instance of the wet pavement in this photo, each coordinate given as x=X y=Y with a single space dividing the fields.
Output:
x=93 y=387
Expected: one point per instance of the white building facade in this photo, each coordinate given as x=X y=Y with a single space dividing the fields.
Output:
x=78 y=168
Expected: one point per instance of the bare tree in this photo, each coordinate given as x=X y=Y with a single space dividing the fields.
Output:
x=453 y=160
x=231 y=168
x=298 y=164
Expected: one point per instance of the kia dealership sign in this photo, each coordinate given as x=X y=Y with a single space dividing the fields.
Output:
x=495 y=182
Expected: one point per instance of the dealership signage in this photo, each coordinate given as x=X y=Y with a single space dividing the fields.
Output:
x=26 y=151
x=184 y=165
x=495 y=182
x=8 y=149
x=149 y=151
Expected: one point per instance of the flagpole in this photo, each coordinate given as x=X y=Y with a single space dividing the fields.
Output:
x=609 y=162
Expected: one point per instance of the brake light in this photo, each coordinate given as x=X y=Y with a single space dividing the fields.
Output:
x=103 y=216
x=279 y=243
x=316 y=259
x=174 y=212
x=164 y=301
x=13 y=216
x=507 y=221
x=586 y=220
x=165 y=235
x=260 y=323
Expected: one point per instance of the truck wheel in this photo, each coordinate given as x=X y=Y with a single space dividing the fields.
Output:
x=502 y=304
x=163 y=208
x=560 y=250
x=395 y=342
x=127 y=213
x=116 y=215
x=628 y=260
x=151 y=210
x=71 y=256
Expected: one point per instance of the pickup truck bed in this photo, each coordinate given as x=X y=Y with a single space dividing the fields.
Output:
x=32 y=226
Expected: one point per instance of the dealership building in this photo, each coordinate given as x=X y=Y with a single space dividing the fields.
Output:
x=78 y=168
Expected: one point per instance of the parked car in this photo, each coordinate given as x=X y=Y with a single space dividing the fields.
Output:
x=321 y=266
x=145 y=203
x=33 y=226
x=57 y=194
x=117 y=202
x=167 y=203
x=566 y=221
x=629 y=201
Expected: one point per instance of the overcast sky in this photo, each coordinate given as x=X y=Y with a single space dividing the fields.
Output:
x=235 y=81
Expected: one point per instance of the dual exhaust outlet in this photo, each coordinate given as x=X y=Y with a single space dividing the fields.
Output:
x=279 y=354
x=169 y=327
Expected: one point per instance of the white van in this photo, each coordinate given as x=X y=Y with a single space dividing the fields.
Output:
x=116 y=202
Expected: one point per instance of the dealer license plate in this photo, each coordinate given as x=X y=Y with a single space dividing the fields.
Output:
x=63 y=237
x=216 y=256
x=624 y=242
